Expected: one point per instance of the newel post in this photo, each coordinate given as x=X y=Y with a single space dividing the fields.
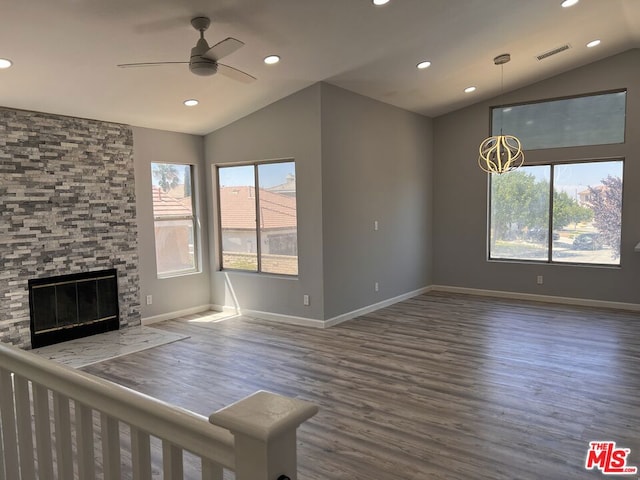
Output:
x=264 y=428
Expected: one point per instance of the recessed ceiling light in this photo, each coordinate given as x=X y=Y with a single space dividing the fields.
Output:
x=470 y=89
x=380 y=2
x=569 y=3
x=593 y=43
x=192 y=102
x=5 y=63
x=271 y=59
x=423 y=65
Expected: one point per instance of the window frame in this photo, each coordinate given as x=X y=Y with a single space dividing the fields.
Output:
x=255 y=165
x=195 y=221
x=549 y=260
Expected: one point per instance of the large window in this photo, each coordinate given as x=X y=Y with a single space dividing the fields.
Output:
x=257 y=217
x=563 y=212
x=175 y=220
x=587 y=120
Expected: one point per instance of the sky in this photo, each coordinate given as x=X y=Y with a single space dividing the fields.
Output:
x=269 y=174
x=577 y=177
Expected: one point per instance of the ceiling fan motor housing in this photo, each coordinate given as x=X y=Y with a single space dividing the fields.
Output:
x=204 y=68
x=200 y=65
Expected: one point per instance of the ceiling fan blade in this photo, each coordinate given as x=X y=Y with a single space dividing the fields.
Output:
x=235 y=74
x=223 y=48
x=149 y=64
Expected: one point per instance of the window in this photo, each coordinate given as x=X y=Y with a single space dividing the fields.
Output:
x=561 y=213
x=175 y=220
x=568 y=122
x=258 y=220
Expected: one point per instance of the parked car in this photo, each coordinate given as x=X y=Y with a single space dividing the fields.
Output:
x=588 y=241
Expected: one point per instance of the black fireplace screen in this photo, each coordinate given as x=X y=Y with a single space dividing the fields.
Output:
x=73 y=306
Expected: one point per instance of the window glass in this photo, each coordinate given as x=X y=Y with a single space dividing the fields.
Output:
x=175 y=223
x=237 y=194
x=520 y=214
x=589 y=120
x=278 y=218
x=264 y=193
x=587 y=212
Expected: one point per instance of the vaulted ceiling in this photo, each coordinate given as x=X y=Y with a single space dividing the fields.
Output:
x=65 y=52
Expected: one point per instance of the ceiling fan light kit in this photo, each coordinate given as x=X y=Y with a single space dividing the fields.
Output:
x=204 y=60
x=500 y=153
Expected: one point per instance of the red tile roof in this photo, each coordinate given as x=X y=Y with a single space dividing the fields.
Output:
x=238 y=209
x=165 y=204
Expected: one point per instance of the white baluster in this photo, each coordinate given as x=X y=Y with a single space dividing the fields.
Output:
x=84 y=441
x=211 y=471
x=8 y=425
x=140 y=454
x=171 y=461
x=43 y=431
x=25 y=432
x=2 y=476
x=110 y=431
x=62 y=425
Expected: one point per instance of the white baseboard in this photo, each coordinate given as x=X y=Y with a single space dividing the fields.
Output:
x=372 y=308
x=583 y=302
x=311 y=322
x=178 y=313
x=278 y=317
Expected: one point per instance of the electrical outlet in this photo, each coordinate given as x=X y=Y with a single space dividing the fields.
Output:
x=376 y=287
x=305 y=300
x=149 y=299
x=375 y=225
x=540 y=280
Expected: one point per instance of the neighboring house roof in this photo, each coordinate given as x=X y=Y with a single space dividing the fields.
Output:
x=286 y=188
x=238 y=204
x=585 y=195
x=165 y=204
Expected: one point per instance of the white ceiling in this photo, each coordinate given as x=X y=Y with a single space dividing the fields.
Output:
x=65 y=52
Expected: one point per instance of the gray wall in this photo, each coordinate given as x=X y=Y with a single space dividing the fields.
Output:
x=289 y=128
x=460 y=194
x=187 y=291
x=357 y=160
x=376 y=165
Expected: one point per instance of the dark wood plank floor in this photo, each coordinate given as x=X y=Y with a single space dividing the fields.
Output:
x=439 y=386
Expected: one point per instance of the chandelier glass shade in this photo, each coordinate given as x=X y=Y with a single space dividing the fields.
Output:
x=500 y=153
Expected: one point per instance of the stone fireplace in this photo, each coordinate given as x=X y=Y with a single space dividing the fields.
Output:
x=67 y=207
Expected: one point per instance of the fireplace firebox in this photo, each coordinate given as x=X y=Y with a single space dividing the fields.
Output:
x=72 y=306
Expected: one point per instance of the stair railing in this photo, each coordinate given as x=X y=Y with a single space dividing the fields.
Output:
x=61 y=423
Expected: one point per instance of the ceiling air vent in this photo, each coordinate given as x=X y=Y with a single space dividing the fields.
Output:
x=555 y=51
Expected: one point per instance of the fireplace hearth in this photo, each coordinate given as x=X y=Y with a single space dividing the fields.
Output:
x=73 y=306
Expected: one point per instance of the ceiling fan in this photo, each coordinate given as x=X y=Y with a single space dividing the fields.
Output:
x=204 y=59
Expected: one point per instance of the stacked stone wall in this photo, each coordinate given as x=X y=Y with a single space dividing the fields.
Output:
x=67 y=205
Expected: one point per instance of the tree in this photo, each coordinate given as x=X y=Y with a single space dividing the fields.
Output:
x=187 y=181
x=518 y=200
x=566 y=210
x=166 y=175
x=606 y=203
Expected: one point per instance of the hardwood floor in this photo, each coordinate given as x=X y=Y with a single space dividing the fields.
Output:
x=438 y=386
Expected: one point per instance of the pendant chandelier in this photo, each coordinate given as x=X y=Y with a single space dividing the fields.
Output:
x=500 y=153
